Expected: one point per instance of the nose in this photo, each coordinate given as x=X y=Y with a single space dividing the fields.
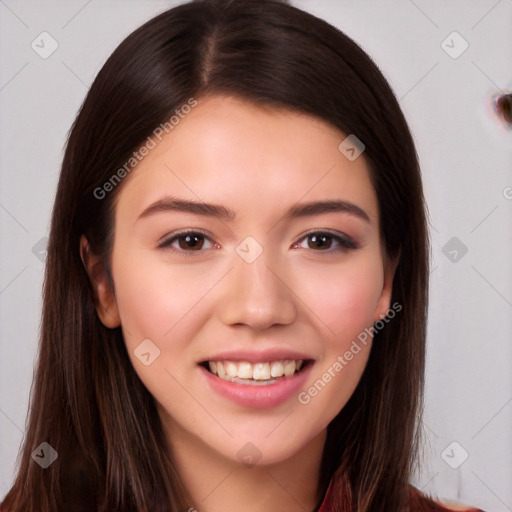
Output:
x=257 y=295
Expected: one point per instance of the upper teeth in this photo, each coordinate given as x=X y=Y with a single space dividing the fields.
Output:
x=228 y=370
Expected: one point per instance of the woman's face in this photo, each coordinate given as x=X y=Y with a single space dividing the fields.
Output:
x=246 y=263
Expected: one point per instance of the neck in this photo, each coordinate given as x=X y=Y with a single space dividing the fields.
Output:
x=216 y=483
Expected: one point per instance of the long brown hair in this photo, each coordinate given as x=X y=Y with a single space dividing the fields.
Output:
x=87 y=401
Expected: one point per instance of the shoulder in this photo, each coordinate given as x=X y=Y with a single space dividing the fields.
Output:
x=418 y=501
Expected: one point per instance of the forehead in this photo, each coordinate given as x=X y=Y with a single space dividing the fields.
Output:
x=231 y=151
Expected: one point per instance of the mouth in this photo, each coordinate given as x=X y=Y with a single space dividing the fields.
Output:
x=261 y=373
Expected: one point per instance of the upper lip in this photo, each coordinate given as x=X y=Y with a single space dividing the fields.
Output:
x=259 y=356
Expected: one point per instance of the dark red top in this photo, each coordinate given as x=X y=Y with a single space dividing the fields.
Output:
x=419 y=502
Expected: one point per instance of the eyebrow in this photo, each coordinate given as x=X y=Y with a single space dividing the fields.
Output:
x=226 y=214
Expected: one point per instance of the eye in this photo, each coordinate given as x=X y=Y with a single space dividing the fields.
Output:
x=324 y=241
x=186 y=241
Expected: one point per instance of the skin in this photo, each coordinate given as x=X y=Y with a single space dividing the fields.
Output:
x=296 y=295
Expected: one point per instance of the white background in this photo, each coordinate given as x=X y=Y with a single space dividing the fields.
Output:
x=465 y=152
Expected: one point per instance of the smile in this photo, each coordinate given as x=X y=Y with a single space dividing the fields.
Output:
x=261 y=373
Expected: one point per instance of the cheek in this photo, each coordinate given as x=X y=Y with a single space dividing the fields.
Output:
x=154 y=300
x=344 y=298
x=163 y=305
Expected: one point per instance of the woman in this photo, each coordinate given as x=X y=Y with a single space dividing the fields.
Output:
x=236 y=284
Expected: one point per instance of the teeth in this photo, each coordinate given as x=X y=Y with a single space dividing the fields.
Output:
x=261 y=371
x=220 y=371
x=277 y=369
x=264 y=371
x=244 y=370
x=289 y=368
x=231 y=369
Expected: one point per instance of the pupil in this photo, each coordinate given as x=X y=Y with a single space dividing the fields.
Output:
x=191 y=242
x=320 y=240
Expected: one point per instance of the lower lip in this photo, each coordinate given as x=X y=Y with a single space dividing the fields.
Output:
x=257 y=396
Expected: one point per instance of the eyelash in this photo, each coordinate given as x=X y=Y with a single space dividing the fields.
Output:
x=345 y=242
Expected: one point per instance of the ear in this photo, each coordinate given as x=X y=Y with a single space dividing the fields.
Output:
x=104 y=298
x=384 y=304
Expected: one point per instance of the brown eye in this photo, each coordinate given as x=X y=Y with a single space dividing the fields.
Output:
x=191 y=241
x=187 y=242
x=324 y=241
x=319 y=241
